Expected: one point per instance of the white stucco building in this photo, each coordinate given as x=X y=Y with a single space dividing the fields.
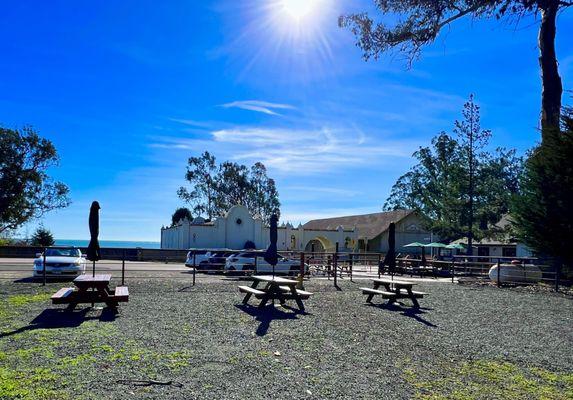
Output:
x=237 y=226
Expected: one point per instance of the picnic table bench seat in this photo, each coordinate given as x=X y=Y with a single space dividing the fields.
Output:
x=413 y=292
x=383 y=293
x=61 y=296
x=256 y=292
x=121 y=294
x=302 y=293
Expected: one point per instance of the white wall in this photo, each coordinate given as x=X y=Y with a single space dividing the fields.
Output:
x=226 y=232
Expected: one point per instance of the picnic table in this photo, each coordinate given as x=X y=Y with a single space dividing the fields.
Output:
x=393 y=291
x=278 y=288
x=100 y=292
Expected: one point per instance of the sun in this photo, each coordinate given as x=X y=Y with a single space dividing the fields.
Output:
x=298 y=9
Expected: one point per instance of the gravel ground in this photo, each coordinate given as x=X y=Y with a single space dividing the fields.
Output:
x=462 y=342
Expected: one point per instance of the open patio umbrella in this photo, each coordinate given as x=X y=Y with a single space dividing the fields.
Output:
x=93 y=252
x=456 y=246
x=390 y=258
x=414 y=244
x=271 y=255
x=436 y=245
x=420 y=245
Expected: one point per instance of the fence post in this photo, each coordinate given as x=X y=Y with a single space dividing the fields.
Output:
x=302 y=271
x=123 y=268
x=557 y=273
x=44 y=268
x=453 y=269
x=379 y=261
x=498 y=273
x=194 y=266
x=335 y=262
x=350 y=261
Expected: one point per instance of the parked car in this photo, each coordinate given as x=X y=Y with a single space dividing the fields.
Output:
x=196 y=257
x=60 y=262
x=244 y=262
x=516 y=273
x=215 y=263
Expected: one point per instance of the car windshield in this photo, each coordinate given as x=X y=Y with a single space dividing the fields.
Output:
x=63 y=253
x=247 y=255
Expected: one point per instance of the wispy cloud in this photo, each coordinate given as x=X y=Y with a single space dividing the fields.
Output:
x=296 y=151
x=264 y=107
x=192 y=122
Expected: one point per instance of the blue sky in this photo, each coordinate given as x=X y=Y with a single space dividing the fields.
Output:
x=129 y=90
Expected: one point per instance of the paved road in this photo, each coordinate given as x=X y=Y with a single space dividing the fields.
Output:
x=21 y=268
x=18 y=268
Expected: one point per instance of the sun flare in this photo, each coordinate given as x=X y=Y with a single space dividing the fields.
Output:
x=298 y=9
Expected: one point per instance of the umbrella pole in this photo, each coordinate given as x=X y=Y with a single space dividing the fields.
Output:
x=93 y=274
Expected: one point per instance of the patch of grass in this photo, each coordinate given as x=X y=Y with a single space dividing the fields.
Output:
x=484 y=379
x=24 y=299
x=9 y=308
x=30 y=384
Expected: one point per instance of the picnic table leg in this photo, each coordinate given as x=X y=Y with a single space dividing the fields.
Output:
x=297 y=298
x=75 y=299
x=248 y=295
x=413 y=298
x=371 y=295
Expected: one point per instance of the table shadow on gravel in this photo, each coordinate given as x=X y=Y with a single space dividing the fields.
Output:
x=410 y=312
x=269 y=313
x=61 y=318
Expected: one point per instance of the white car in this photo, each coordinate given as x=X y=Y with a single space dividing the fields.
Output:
x=245 y=262
x=196 y=257
x=61 y=262
x=516 y=273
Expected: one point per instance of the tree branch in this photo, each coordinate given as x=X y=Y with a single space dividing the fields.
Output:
x=460 y=14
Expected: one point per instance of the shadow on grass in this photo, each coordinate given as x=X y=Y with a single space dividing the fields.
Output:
x=61 y=318
x=410 y=312
x=269 y=313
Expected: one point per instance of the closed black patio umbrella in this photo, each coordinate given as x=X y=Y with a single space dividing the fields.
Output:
x=271 y=255
x=390 y=258
x=93 y=252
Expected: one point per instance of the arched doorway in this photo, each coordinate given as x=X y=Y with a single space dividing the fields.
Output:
x=319 y=244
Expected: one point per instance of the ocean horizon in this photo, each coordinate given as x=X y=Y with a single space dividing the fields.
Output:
x=110 y=243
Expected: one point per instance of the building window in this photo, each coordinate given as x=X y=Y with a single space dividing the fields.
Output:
x=293 y=242
x=239 y=221
x=509 y=252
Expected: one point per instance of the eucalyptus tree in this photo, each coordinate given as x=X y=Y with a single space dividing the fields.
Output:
x=216 y=188
x=26 y=189
x=419 y=23
x=201 y=174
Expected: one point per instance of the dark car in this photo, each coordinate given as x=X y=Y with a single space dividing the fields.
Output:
x=215 y=263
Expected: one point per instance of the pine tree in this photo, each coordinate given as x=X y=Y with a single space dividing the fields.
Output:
x=543 y=213
x=42 y=237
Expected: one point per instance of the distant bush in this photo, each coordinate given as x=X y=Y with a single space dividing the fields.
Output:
x=250 y=245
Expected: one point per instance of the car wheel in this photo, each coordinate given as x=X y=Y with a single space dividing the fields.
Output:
x=294 y=270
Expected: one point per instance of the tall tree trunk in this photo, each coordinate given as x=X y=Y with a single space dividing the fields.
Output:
x=551 y=82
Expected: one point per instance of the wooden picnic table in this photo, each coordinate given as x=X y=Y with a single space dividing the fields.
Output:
x=100 y=292
x=278 y=288
x=393 y=291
